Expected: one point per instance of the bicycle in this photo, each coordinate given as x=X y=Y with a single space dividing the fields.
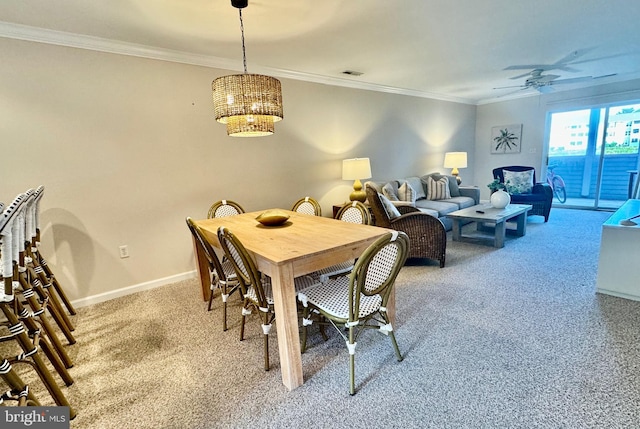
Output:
x=557 y=184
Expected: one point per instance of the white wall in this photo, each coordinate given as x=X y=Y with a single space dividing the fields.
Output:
x=532 y=113
x=127 y=147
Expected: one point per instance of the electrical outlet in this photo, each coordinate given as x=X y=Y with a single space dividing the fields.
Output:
x=124 y=251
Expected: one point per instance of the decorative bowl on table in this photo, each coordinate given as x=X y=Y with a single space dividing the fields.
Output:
x=272 y=217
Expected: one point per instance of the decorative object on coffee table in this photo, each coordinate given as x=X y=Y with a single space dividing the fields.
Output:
x=500 y=199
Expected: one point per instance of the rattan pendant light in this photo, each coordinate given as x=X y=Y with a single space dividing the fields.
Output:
x=248 y=104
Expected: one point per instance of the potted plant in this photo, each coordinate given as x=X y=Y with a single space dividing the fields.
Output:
x=496 y=185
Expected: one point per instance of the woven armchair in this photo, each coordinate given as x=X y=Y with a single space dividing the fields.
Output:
x=427 y=234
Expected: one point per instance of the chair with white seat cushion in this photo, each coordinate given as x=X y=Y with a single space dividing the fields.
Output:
x=256 y=288
x=359 y=302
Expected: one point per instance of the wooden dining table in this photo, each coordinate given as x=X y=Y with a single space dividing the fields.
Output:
x=303 y=244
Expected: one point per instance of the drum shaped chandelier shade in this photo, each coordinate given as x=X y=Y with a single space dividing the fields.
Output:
x=248 y=104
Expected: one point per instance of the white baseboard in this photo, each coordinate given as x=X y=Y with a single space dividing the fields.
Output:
x=106 y=296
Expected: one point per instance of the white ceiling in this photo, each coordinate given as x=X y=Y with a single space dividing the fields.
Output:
x=447 y=49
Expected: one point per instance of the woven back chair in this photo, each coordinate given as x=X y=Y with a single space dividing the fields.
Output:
x=40 y=264
x=307 y=205
x=221 y=272
x=39 y=301
x=354 y=212
x=17 y=317
x=427 y=234
x=32 y=272
x=359 y=302
x=224 y=208
x=256 y=288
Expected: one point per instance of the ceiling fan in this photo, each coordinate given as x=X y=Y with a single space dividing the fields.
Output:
x=544 y=82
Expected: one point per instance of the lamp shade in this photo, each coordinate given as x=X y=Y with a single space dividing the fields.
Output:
x=356 y=169
x=248 y=104
x=455 y=160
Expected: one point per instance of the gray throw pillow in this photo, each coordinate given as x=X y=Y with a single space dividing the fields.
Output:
x=417 y=186
x=390 y=190
x=392 y=211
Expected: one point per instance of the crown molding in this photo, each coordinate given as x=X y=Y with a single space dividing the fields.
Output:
x=61 y=38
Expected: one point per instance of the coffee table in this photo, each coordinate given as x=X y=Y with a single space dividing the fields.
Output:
x=492 y=220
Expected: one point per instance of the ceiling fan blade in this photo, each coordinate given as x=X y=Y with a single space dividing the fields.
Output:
x=572 y=56
x=545 y=78
x=529 y=67
x=512 y=92
x=561 y=64
x=571 y=80
x=567 y=69
x=512 y=86
x=605 y=75
x=520 y=76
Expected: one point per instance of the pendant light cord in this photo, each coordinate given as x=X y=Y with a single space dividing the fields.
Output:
x=244 y=53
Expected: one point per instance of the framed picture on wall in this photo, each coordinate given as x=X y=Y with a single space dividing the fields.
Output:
x=506 y=138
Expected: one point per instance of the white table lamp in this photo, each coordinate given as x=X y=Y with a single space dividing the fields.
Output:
x=455 y=160
x=356 y=169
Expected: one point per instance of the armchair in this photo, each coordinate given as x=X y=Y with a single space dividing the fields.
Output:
x=427 y=234
x=540 y=196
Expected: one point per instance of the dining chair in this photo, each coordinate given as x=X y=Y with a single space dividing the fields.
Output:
x=221 y=273
x=32 y=273
x=224 y=208
x=36 y=302
x=359 y=302
x=354 y=212
x=307 y=205
x=18 y=319
x=41 y=267
x=256 y=288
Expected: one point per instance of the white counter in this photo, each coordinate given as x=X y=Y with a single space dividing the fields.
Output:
x=619 y=263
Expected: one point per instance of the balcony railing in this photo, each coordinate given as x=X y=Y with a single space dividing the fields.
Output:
x=580 y=174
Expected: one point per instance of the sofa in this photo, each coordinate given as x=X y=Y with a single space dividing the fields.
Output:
x=435 y=194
